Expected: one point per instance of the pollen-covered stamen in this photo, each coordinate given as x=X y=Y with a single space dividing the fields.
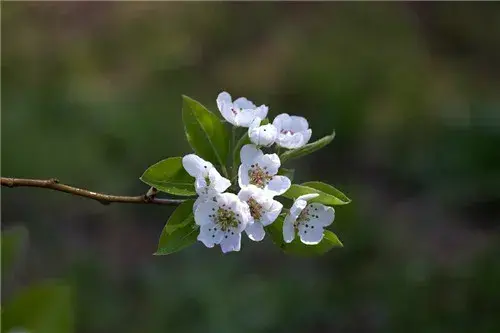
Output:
x=259 y=177
x=234 y=111
x=226 y=219
x=255 y=209
x=303 y=218
x=285 y=131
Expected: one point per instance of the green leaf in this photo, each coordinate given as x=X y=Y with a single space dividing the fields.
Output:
x=307 y=149
x=14 y=240
x=43 y=308
x=205 y=132
x=180 y=230
x=296 y=247
x=329 y=190
x=287 y=173
x=328 y=195
x=169 y=176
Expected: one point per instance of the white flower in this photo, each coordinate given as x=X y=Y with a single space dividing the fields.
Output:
x=262 y=135
x=241 y=112
x=209 y=183
x=263 y=211
x=221 y=221
x=260 y=170
x=293 y=131
x=309 y=220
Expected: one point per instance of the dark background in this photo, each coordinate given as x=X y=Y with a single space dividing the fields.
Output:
x=91 y=94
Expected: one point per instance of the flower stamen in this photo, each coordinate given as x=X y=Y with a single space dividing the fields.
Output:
x=226 y=219
x=258 y=176
x=255 y=209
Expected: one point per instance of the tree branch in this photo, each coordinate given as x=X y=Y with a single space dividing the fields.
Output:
x=105 y=199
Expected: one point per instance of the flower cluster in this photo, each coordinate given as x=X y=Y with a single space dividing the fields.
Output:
x=222 y=216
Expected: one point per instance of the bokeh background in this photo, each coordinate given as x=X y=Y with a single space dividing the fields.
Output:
x=91 y=94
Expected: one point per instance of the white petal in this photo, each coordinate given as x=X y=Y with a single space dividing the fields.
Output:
x=210 y=235
x=308 y=197
x=261 y=111
x=255 y=231
x=297 y=207
x=242 y=215
x=255 y=123
x=270 y=163
x=288 y=229
x=246 y=193
x=249 y=154
x=244 y=118
x=243 y=178
x=201 y=187
x=202 y=212
x=219 y=183
x=227 y=199
x=282 y=121
x=243 y=103
x=226 y=110
x=198 y=201
x=264 y=135
x=310 y=234
x=278 y=185
x=306 y=136
x=272 y=214
x=298 y=124
x=290 y=141
x=320 y=215
x=231 y=241
x=223 y=97
x=195 y=165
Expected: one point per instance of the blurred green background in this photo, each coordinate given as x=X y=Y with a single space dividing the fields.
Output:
x=91 y=94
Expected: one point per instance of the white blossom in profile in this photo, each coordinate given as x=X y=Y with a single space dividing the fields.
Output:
x=293 y=131
x=241 y=112
x=208 y=181
x=264 y=135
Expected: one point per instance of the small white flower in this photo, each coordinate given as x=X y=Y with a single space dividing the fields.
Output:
x=209 y=182
x=264 y=135
x=309 y=220
x=293 y=131
x=263 y=211
x=260 y=170
x=221 y=221
x=241 y=112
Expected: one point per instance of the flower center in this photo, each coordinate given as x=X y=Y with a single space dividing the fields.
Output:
x=258 y=176
x=285 y=131
x=226 y=219
x=235 y=111
x=255 y=208
x=303 y=217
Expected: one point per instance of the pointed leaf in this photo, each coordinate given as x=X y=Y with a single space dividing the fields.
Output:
x=328 y=189
x=296 y=247
x=43 y=308
x=307 y=149
x=169 y=176
x=205 y=132
x=180 y=230
x=328 y=195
